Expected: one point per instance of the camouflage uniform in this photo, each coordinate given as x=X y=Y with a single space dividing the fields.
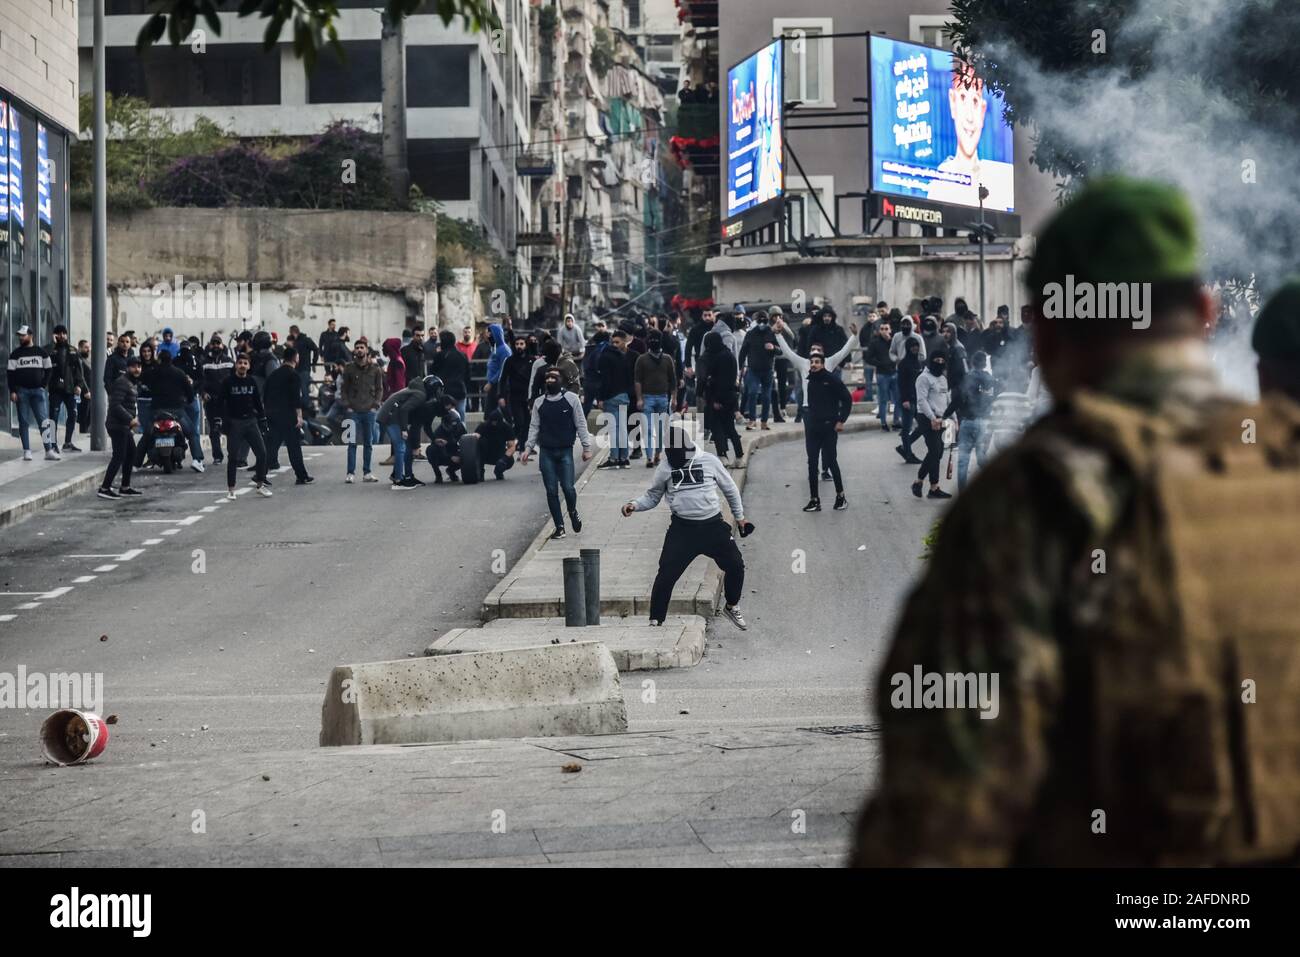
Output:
x=1112 y=696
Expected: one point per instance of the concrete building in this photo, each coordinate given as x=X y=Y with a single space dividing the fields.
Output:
x=467 y=98
x=38 y=117
x=896 y=261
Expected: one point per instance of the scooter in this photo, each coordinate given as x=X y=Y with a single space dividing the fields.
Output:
x=168 y=449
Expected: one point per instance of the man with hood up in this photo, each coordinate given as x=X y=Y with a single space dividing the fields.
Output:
x=449 y=364
x=1276 y=340
x=395 y=370
x=690 y=478
x=496 y=361
x=829 y=334
x=262 y=361
x=558 y=422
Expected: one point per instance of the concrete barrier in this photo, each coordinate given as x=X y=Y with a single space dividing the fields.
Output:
x=545 y=691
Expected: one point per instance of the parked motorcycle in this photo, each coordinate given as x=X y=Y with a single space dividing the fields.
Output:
x=168 y=451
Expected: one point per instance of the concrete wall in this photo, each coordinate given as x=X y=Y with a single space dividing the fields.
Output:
x=368 y=270
x=38 y=56
x=748 y=25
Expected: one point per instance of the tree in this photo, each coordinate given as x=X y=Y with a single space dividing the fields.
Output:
x=1200 y=93
x=312 y=21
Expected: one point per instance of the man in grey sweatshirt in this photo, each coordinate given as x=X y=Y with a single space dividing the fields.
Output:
x=690 y=479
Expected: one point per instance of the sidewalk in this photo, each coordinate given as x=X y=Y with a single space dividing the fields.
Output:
x=749 y=797
x=27 y=487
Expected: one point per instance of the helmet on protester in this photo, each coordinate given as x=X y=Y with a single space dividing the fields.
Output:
x=433 y=385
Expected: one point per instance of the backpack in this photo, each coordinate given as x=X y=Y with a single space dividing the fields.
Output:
x=1191 y=636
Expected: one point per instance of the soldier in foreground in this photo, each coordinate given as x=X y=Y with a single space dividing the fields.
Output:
x=1276 y=340
x=1123 y=578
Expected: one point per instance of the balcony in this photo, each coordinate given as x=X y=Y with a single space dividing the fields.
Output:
x=698 y=13
x=541 y=242
x=534 y=165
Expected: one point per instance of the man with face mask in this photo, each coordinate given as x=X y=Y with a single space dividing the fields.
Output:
x=931 y=334
x=829 y=405
x=558 y=422
x=932 y=401
x=690 y=479
x=29 y=374
x=120 y=422
x=655 y=380
x=898 y=345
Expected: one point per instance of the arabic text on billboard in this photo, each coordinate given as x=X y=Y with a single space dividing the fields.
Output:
x=937 y=132
x=755 y=152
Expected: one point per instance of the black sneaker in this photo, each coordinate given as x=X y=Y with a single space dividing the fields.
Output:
x=576 y=523
x=841 y=503
x=625 y=464
x=916 y=489
x=608 y=464
x=265 y=481
x=305 y=481
x=69 y=447
x=558 y=534
x=412 y=482
x=814 y=505
x=649 y=463
x=636 y=453
x=129 y=491
x=826 y=475
x=107 y=493
x=937 y=493
x=884 y=427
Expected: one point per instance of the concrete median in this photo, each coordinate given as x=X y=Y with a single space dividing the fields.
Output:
x=543 y=691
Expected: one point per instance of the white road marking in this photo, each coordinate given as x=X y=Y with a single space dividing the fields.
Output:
x=82 y=579
x=153 y=521
x=129 y=554
x=190 y=520
x=194 y=491
x=152 y=541
x=55 y=593
x=104 y=568
x=172 y=531
x=7 y=617
x=114 y=555
x=27 y=594
x=244 y=491
x=209 y=508
x=29 y=604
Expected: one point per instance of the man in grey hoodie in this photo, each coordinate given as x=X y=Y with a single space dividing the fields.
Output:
x=690 y=479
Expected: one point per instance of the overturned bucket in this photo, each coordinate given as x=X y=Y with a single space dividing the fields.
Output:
x=73 y=737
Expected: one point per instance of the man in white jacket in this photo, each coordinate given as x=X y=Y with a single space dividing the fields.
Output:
x=932 y=407
x=690 y=479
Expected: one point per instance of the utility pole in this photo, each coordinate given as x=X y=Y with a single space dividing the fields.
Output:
x=98 y=247
x=392 y=71
x=983 y=194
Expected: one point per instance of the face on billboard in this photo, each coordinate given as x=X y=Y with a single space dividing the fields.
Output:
x=938 y=131
x=755 y=152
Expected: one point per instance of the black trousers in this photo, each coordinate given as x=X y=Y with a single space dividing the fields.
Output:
x=123 y=440
x=286 y=434
x=723 y=428
x=821 y=440
x=244 y=435
x=68 y=401
x=212 y=412
x=933 y=451
x=84 y=413
x=686 y=541
x=522 y=417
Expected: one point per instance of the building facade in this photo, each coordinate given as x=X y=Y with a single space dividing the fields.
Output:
x=38 y=117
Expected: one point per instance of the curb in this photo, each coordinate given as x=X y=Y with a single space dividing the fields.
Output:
x=12 y=514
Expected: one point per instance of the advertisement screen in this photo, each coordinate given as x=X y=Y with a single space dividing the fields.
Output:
x=755 y=149
x=937 y=132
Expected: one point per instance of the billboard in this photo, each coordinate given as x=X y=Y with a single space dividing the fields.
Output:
x=937 y=132
x=755 y=140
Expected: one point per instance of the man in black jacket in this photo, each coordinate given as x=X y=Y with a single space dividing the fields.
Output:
x=87 y=374
x=245 y=421
x=413 y=355
x=284 y=405
x=829 y=405
x=120 y=421
x=450 y=365
x=513 y=397
x=171 y=392
x=217 y=366
x=877 y=357
x=617 y=378
x=757 y=356
x=717 y=376
x=67 y=385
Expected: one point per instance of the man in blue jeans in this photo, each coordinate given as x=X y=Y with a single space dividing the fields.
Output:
x=29 y=370
x=616 y=388
x=557 y=422
x=655 y=380
x=361 y=391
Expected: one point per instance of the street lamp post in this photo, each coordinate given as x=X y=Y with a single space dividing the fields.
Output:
x=98 y=247
x=983 y=194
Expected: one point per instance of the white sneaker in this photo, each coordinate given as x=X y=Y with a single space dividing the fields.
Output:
x=52 y=455
x=736 y=618
x=27 y=455
x=263 y=491
x=196 y=465
x=350 y=479
x=368 y=477
x=231 y=496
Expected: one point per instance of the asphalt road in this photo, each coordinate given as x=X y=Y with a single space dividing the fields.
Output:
x=816 y=637
x=289 y=587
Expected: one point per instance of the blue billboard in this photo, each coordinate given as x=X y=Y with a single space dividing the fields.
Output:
x=937 y=132
x=755 y=143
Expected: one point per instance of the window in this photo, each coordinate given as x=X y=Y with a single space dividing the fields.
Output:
x=809 y=61
x=355 y=80
x=930 y=30
x=437 y=76
x=228 y=74
x=440 y=168
x=804 y=219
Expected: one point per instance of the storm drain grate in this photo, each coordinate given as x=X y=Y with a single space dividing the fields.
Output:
x=844 y=729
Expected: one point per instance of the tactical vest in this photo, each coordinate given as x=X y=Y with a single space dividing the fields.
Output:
x=1189 y=644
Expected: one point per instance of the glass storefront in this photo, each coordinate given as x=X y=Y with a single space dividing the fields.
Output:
x=34 y=269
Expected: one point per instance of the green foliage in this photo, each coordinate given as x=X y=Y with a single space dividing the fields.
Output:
x=931 y=539
x=462 y=243
x=548 y=18
x=602 y=52
x=142 y=144
x=312 y=23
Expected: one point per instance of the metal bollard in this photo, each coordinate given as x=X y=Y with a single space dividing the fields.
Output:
x=575 y=601
x=591 y=582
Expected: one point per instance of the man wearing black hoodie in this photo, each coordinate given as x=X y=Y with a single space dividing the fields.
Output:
x=829 y=405
x=514 y=385
x=450 y=365
x=718 y=379
x=171 y=392
x=284 y=404
x=67 y=387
